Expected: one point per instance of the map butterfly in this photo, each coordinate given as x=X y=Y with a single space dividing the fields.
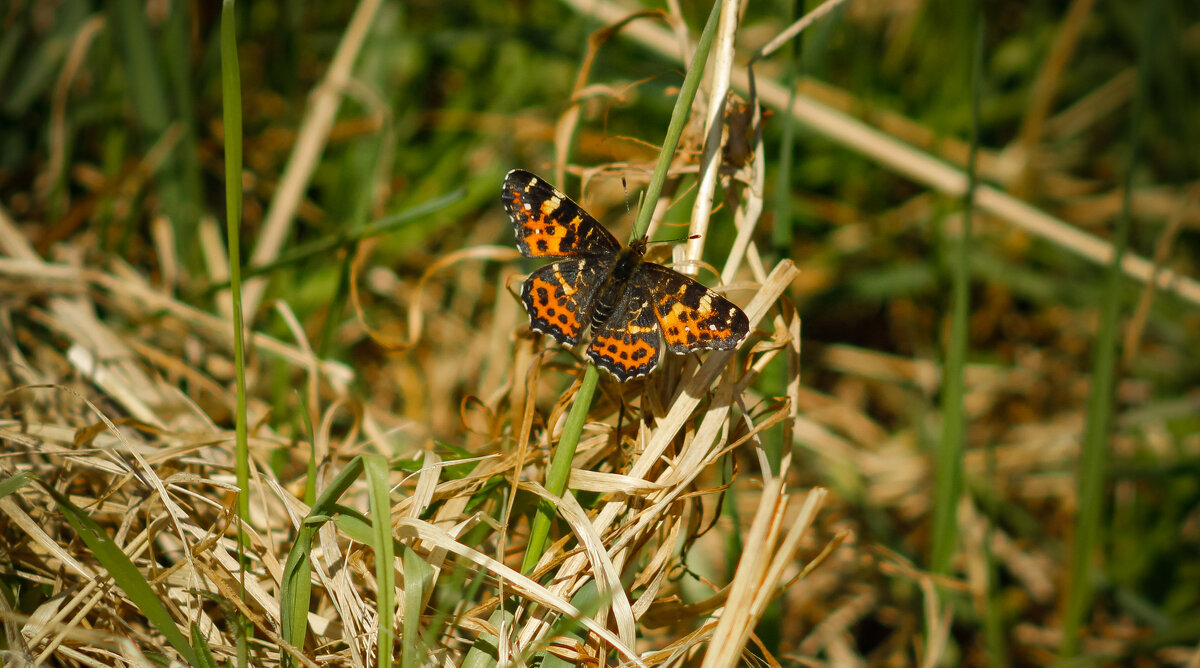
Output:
x=632 y=309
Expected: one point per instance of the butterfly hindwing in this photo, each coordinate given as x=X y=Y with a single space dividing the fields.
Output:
x=558 y=297
x=629 y=343
x=692 y=317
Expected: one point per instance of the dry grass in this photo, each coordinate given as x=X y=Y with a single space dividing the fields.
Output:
x=158 y=480
x=119 y=414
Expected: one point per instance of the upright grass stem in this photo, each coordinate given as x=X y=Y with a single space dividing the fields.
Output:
x=1093 y=459
x=560 y=468
x=948 y=486
x=231 y=97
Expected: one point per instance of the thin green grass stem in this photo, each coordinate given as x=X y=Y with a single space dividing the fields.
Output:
x=231 y=103
x=376 y=469
x=560 y=467
x=948 y=476
x=231 y=88
x=679 y=117
x=1093 y=460
x=994 y=638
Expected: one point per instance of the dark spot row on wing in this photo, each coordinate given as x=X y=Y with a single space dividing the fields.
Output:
x=623 y=366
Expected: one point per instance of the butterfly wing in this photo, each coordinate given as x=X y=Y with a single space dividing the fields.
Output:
x=629 y=343
x=560 y=295
x=691 y=316
x=549 y=224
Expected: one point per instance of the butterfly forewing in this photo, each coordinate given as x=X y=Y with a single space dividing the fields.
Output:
x=549 y=224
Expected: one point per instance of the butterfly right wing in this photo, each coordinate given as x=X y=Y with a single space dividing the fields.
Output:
x=549 y=224
x=692 y=316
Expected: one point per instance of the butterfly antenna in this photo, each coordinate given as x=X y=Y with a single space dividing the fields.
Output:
x=628 y=208
x=675 y=241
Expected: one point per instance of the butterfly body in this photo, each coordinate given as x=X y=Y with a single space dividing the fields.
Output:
x=612 y=290
x=632 y=309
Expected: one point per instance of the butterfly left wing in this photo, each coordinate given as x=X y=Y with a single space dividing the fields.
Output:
x=549 y=224
x=629 y=344
x=691 y=316
x=558 y=297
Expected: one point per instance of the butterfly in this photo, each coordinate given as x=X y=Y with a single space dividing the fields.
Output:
x=631 y=308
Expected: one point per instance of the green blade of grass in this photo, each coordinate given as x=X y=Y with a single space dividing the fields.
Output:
x=204 y=655
x=362 y=164
x=146 y=89
x=418 y=576
x=149 y=98
x=295 y=586
x=175 y=45
x=560 y=468
x=231 y=107
x=231 y=98
x=347 y=238
x=39 y=63
x=1093 y=457
x=125 y=574
x=993 y=623
x=486 y=648
x=295 y=590
x=376 y=469
x=16 y=482
x=10 y=43
x=948 y=476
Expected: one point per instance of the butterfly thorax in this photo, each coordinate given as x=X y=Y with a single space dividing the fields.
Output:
x=608 y=297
